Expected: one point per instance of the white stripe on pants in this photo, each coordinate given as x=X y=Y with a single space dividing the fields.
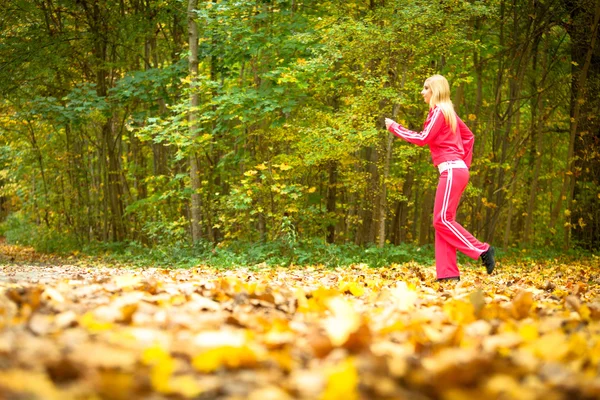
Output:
x=450 y=236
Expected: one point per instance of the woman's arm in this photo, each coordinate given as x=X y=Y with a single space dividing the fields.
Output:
x=467 y=141
x=435 y=122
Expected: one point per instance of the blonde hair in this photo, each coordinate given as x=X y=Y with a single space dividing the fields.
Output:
x=440 y=96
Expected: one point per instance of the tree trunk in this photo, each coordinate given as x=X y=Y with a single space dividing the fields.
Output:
x=331 y=200
x=537 y=144
x=387 y=156
x=407 y=188
x=425 y=219
x=114 y=187
x=196 y=205
x=507 y=230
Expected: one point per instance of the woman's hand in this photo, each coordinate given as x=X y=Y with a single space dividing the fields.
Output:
x=388 y=122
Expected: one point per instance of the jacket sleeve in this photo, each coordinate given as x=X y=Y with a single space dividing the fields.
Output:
x=467 y=141
x=433 y=125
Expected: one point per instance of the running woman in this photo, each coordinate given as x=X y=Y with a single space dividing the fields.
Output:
x=451 y=144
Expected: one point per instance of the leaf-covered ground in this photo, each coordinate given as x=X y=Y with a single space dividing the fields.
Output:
x=71 y=330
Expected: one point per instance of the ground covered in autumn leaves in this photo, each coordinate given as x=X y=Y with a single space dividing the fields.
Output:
x=71 y=330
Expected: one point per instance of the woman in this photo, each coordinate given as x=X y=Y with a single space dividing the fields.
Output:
x=451 y=146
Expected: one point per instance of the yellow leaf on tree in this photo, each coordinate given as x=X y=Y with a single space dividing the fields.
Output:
x=342 y=382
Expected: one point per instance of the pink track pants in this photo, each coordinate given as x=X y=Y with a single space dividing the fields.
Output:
x=449 y=234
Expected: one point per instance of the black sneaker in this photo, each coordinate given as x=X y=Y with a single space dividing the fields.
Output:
x=488 y=259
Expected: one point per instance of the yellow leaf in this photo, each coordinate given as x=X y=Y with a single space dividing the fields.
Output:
x=343 y=323
x=578 y=345
x=585 y=312
x=115 y=384
x=153 y=355
x=342 y=382
x=356 y=289
x=550 y=347
x=225 y=356
x=185 y=385
x=460 y=312
x=506 y=386
x=529 y=332
x=594 y=354
x=162 y=368
x=89 y=322
x=300 y=295
x=522 y=304
x=127 y=281
x=403 y=297
x=28 y=384
x=395 y=326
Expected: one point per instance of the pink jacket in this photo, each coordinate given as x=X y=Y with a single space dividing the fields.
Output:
x=443 y=144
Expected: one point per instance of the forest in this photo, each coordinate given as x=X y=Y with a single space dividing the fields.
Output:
x=200 y=200
x=163 y=122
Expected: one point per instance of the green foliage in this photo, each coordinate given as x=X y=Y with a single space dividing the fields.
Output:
x=18 y=229
x=290 y=142
x=273 y=253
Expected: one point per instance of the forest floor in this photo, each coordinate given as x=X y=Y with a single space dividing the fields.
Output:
x=74 y=328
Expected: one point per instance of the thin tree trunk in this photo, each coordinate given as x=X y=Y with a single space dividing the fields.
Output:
x=476 y=220
x=114 y=187
x=40 y=160
x=537 y=146
x=425 y=216
x=331 y=200
x=407 y=188
x=383 y=191
x=196 y=206
x=507 y=230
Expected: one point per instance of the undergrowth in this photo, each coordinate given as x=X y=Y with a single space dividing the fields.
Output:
x=282 y=252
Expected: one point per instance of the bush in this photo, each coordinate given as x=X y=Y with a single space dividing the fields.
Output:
x=18 y=229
